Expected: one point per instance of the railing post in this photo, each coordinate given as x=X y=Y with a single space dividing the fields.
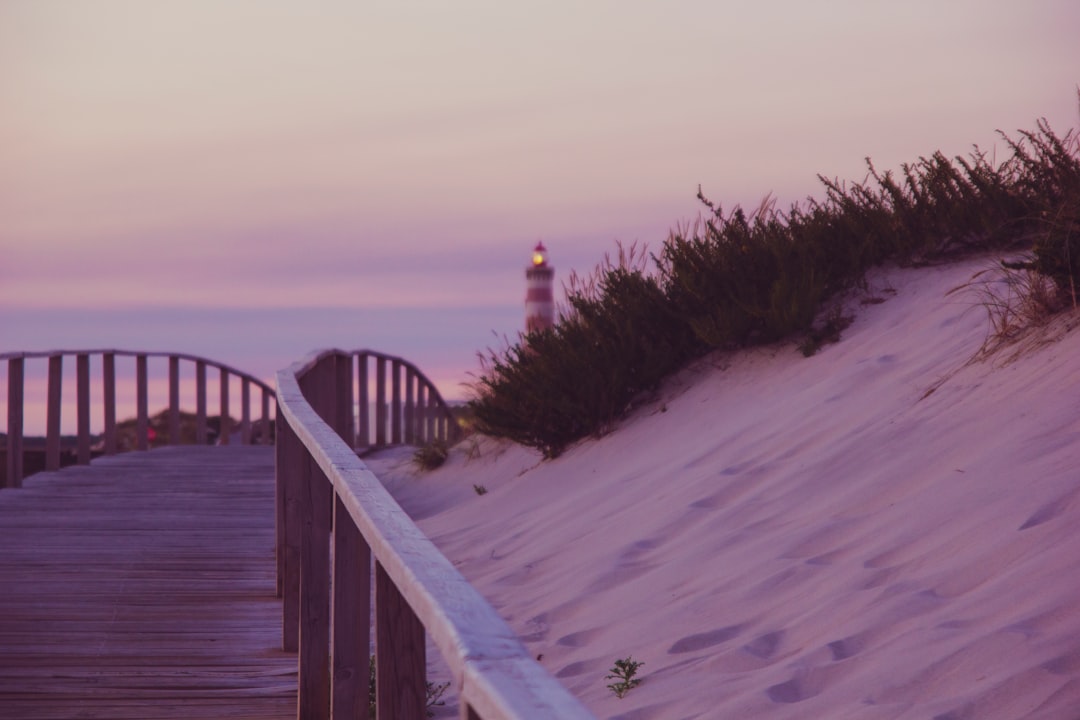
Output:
x=141 y=402
x=432 y=415
x=363 y=435
x=314 y=660
x=52 y=431
x=245 y=412
x=82 y=408
x=421 y=411
x=15 y=423
x=291 y=463
x=264 y=435
x=200 y=402
x=223 y=437
x=400 y=654
x=351 y=618
x=343 y=398
x=174 y=400
x=380 y=401
x=395 y=408
x=109 y=399
x=410 y=406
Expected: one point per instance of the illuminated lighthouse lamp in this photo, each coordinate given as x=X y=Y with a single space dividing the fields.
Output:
x=539 y=294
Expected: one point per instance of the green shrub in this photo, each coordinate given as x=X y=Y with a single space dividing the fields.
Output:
x=733 y=280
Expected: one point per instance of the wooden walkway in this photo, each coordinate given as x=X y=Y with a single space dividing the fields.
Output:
x=142 y=586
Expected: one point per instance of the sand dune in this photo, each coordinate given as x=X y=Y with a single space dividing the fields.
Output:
x=884 y=530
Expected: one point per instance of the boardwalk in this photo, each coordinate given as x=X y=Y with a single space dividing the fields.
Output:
x=142 y=586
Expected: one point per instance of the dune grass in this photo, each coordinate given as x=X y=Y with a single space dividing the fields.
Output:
x=736 y=279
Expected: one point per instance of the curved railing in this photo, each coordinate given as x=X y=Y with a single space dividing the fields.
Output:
x=329 y=498
x=407 y=406
x=15 y=396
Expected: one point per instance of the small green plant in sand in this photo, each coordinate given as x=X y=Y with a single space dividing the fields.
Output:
x=435 y=692
x=479 y=489
x=623 y=673
x=431 y=455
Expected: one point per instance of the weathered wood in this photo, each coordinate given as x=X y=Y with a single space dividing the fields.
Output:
x=142 y=411
x=108 y=381
x=400 y=654
x=363 y=435
x=432 y=415
x=342 y=392
x=410 y=406
x=351 y=618
x=200 y=402
x=380 y=401
x=82 y=406
x=291 y=477
x=395 y=407
x=421 y=413
x=245 y=411
x=133 y=588
x=174 y=400
x=265 y=432
x=314 y=656
x=226 y=426
x=52 y=430
x=15 y=422
x=472 y=638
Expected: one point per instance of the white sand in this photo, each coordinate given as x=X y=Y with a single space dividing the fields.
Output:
x=783 y=537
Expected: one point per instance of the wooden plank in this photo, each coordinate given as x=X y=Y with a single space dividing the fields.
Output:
x=108 y=372
x=142 y=412
x=400 y=654
x=245 y=411
x=432 y=414
x=363 y=435
x=52 y=430
x=410 y=406
x=133 y=588
x=314 y=657
x=343 y=397
x=264 y=436
x=380 y=401
x=15 y=423
x=350 y=615
x=395 y=407
x=421 y=412
x=200 y=402
x=82 y=406
x=226 y=429
x=174 y=400
x=290 y=474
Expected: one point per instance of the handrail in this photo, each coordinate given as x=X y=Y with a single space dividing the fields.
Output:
x=329 y=496
x=16 y=377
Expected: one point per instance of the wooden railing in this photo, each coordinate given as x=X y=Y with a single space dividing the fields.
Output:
x=16 y=366
x=408 y=407
x=334 y=517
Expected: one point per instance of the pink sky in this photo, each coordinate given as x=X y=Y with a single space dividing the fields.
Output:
x=176 y=157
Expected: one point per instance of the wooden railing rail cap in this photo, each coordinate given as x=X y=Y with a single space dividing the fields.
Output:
x=473 y=639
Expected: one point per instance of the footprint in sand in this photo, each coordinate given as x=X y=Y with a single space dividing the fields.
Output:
x=765 y=646
x=846 y=647
x=690 y=643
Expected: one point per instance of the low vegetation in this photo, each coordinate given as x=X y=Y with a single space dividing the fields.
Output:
x=623 y=673
x=736 y=279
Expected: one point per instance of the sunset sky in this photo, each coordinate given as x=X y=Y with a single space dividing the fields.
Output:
x=252 y=180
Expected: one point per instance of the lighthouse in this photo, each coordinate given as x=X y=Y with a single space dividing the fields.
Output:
x=539 y=296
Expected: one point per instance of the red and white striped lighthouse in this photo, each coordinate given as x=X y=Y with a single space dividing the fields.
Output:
x=540 y=297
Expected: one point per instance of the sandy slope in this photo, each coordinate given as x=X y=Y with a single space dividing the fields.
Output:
x=783 y=537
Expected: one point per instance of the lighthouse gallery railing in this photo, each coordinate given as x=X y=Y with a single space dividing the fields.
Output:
x=332 y=500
